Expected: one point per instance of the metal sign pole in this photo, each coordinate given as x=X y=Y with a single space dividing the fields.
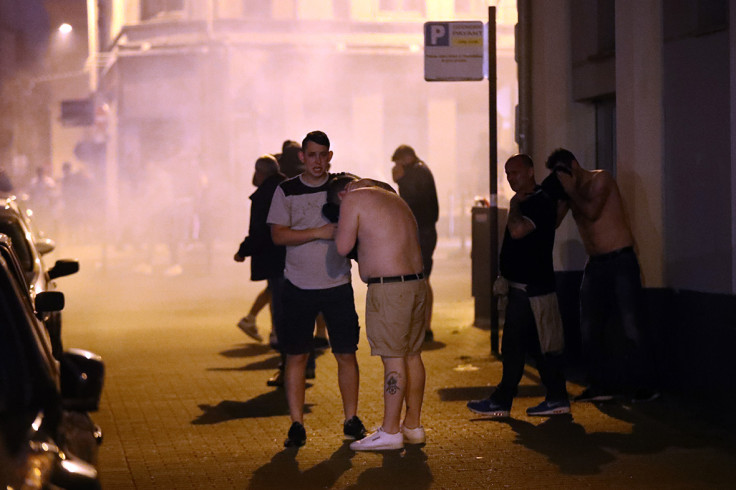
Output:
x=492 y=169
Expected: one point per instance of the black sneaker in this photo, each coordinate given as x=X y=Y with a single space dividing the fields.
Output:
x=297 y=436
x=593 y=395
x=354 y=428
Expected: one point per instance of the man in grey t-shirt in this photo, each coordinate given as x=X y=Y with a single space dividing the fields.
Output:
x=317 y=281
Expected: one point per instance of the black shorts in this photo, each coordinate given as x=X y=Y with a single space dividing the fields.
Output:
x=301 y=307
x=427 y=243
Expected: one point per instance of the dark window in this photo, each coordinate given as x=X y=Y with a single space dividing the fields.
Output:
x=593 y=29
x=605 y=134
x=687 y=18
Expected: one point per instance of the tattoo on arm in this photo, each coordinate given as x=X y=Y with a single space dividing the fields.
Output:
x=392 y=383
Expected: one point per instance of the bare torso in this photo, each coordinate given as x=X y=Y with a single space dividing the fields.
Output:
x=386 y=233
x=607 y=229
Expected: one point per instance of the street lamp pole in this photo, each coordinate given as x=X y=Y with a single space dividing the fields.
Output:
x=93 y=43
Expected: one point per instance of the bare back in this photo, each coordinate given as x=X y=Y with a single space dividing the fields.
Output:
x=386 y=232
x=599 y=214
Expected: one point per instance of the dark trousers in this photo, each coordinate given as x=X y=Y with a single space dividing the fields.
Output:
x=611 y=305
x=520 y=338
x=278 y=316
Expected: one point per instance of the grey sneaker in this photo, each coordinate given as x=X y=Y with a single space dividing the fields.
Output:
x=248 y=326
x=413 y=436
x=379 y=441
x=489 y=407
x=549 y=408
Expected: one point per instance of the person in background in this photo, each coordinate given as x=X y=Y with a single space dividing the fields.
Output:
x=611 y=288
x=533 y=324
x=416 y=187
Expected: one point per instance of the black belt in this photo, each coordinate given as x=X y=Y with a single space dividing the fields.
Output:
x=408 y=277
x=611 y=255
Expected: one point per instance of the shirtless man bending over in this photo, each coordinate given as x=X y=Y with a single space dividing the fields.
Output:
x=390 y=262
x=611 y=284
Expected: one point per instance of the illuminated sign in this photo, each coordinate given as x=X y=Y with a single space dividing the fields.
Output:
x=453 y=51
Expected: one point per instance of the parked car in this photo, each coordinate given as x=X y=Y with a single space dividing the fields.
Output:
x=31 y=246
x=47 y=438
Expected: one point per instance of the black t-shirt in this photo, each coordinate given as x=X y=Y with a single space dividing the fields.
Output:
x=417 y=188
x=528 y=260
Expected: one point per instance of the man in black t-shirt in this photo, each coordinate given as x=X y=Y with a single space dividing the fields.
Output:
x=532 y=325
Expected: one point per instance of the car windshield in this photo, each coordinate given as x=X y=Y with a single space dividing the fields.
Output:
x=15 y=232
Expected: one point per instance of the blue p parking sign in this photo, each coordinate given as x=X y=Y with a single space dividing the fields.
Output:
x=453 y=51
x=437 y=34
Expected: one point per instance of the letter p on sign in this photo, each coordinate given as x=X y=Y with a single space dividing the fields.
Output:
x=436 y=34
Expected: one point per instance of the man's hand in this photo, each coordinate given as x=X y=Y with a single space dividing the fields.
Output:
x=239 y=258
x=397 y=172
x=567 y=181
x=325 y=232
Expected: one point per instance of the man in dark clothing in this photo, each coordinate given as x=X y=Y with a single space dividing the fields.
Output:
x=288 y=159
x=267 y=259
x=533 y=323
x=416 y=187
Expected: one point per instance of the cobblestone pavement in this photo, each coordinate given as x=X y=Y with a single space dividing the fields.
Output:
x=186 y=405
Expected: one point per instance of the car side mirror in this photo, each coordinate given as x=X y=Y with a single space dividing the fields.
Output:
x=44 y=245
x=64 y=267
x=48 y=301
x=82 y=377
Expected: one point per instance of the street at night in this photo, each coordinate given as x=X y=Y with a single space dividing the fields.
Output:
x=186 y=404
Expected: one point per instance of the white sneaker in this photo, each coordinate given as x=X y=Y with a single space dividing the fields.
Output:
x=379 y=441
x=248 y=326
x=413 y=436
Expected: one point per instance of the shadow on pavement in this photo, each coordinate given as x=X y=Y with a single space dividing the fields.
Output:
x=264 y=364
x=406 y=469
x=658 y=425
x=283 y=470
x=576 y=452
x=247 y=350
x=564 y=442
x=433 y=345
x=468 y=393
x=271 y=404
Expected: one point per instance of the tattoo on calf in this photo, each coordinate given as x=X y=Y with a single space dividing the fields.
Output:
x=392 y=383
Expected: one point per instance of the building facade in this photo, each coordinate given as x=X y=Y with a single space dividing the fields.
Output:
x=202 y=88
x=646 y=89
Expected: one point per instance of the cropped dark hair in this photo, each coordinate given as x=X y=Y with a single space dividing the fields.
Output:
x=560 y=156
x=523 y=158
x=267 y=164
x=404 y=150
x=337 y=184
x=318 y=137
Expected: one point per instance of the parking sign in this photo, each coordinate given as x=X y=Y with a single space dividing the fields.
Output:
x=453 y=51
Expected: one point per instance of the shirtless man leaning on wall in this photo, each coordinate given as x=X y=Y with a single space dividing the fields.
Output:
x=611 y=284
x=390 y=262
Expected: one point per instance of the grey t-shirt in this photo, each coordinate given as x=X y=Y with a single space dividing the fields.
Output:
x=315 y=264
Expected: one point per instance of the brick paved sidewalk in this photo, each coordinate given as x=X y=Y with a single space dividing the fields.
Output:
x=186 y=405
